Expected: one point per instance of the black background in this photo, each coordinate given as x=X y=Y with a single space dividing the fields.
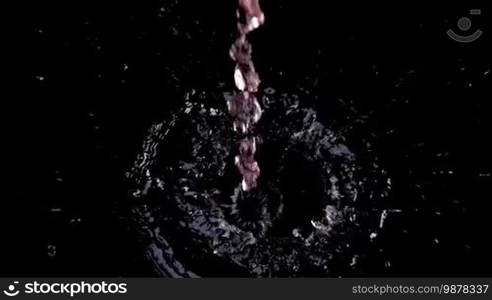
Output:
x=96 y=75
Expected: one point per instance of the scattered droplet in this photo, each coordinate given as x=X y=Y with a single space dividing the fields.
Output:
x=383 y=217
x=75 y=220
x=51 y=250
x=387 y=264
x=353 y=262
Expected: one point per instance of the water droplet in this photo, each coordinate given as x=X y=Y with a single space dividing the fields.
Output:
x=239 y=79
x=51 y=250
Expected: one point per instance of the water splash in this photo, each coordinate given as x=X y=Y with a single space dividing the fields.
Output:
x=244 y=106
x=310 y=215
